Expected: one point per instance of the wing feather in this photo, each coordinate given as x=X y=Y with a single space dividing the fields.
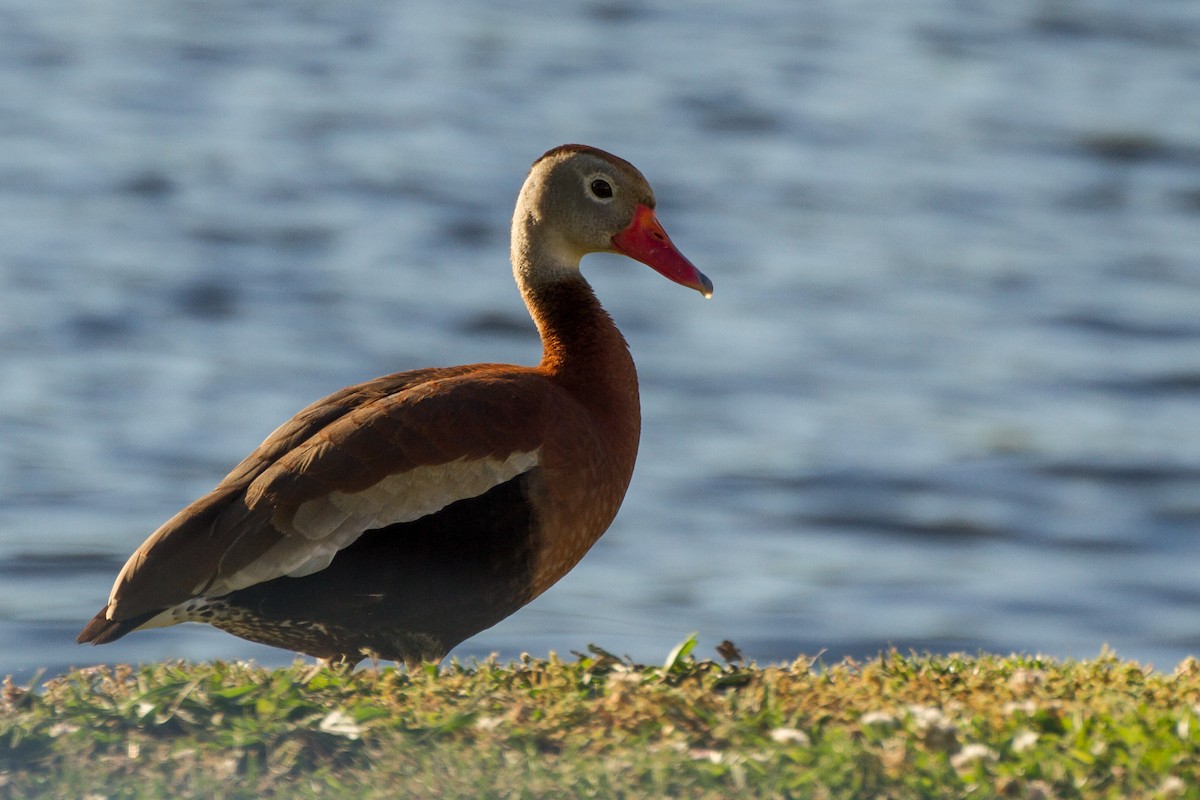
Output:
x=387 y=451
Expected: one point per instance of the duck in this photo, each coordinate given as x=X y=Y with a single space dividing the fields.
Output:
x=396 y=518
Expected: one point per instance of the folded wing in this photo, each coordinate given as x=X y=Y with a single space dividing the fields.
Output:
x=391 y=450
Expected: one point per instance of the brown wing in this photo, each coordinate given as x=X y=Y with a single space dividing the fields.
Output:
x=371 y=455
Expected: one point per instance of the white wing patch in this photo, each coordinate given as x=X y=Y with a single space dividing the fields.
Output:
x=323 y=526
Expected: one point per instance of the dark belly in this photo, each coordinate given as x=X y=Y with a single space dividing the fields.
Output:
x=407 y=592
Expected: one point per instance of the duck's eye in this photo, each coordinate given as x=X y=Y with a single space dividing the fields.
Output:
x=601 y=189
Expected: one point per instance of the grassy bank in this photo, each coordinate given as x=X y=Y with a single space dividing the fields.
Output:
x=598 y=726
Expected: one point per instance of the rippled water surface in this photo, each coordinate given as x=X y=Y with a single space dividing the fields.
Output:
x=946 y=396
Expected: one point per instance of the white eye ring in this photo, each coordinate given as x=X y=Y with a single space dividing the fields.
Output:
x=599 y=188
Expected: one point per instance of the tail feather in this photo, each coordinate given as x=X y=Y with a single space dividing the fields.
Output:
x=102 y=630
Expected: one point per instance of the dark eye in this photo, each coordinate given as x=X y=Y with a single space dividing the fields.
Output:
x=600 y=188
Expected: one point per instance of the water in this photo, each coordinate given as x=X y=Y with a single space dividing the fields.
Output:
x=946 y=396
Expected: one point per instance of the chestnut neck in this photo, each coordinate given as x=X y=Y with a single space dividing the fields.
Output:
x=585 y=354
x=581 y=346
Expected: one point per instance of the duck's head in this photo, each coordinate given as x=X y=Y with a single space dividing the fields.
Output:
x=579 y=200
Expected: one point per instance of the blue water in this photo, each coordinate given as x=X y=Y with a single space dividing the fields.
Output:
x=946 y=395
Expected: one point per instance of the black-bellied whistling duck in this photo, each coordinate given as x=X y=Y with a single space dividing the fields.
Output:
x=398 y=517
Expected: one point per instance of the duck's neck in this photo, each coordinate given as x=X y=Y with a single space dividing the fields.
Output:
x=579 y=338
x=582 y=349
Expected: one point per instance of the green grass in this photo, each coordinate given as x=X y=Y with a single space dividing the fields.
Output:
x=899 y=726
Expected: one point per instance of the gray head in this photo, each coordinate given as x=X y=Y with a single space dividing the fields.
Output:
x=579 y=200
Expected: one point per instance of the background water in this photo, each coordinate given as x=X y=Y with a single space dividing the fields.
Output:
x=946 y=396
